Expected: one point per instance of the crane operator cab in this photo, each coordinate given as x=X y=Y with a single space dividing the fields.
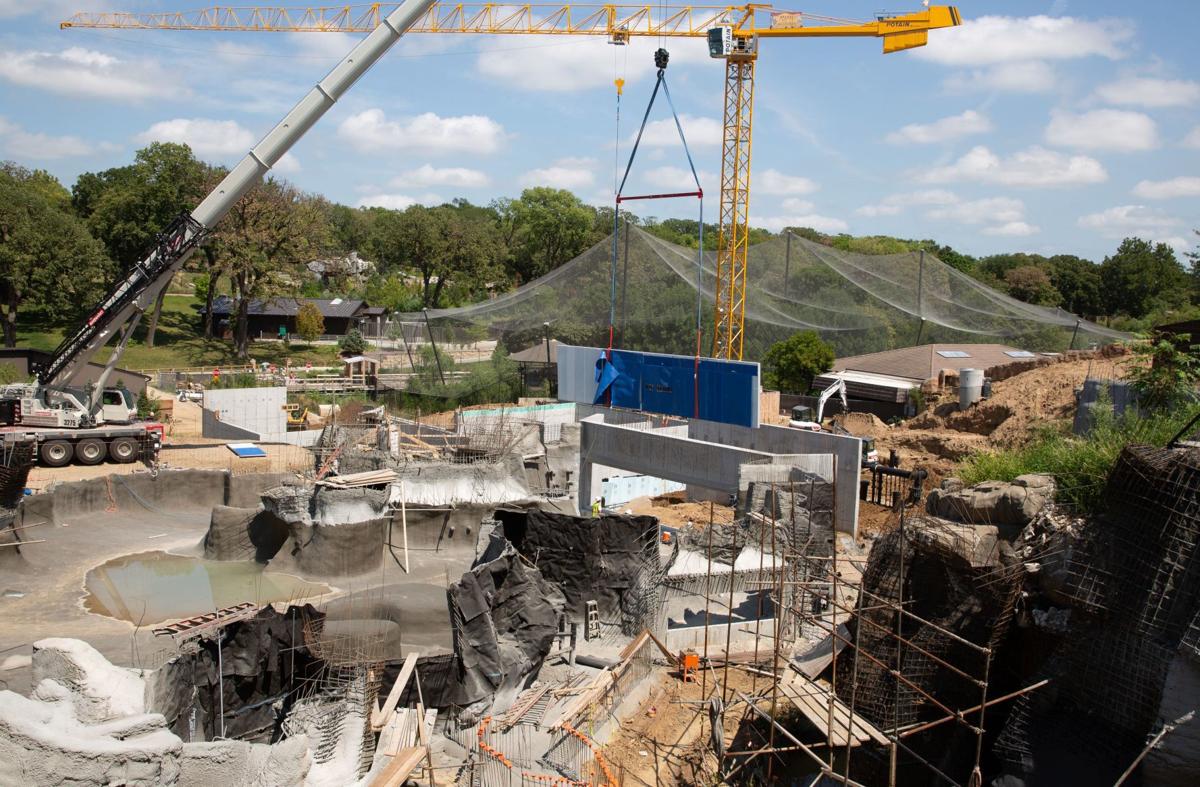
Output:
x=118 y=406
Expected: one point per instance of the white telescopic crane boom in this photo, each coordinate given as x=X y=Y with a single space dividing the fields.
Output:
x=123 y=307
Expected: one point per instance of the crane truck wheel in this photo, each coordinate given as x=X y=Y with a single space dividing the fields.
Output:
x=56 y=453
x=90 y=452
x=123 y=450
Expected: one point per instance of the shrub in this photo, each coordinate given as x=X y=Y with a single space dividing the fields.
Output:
x=147 y=408
x=1080 y=465
x=353 y=343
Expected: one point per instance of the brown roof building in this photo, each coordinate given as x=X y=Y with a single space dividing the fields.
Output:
x=888 y=375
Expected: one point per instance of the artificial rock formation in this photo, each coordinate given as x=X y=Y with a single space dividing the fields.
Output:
x=992 y=502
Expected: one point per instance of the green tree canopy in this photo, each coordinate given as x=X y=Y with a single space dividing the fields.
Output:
x=1031 y=284
x=791 y=365
x=1142 y=277
x=310 y=323
x=265 y=240
x=125 y=207
x=544 y=228
x=49 y=263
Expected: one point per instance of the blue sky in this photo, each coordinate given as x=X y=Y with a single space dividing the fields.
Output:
x=1052 y=127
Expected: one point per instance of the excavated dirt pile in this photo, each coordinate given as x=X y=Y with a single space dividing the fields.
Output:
x=939 y=438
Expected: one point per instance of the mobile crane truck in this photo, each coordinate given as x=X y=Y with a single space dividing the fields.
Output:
x=66 y=421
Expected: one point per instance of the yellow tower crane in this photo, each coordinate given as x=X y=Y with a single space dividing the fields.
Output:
x=732 y=31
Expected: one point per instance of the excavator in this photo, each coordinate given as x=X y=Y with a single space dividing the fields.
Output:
x=803 y=418
x=66 y=420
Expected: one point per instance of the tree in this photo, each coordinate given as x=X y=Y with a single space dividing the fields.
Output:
x=1031 y=284
x=542 y=229
x=310 y=323
x=393 y=293
x=1142 y=277
x=409 y=239
x=1078 y=283
x=443 y=244
x=265 y=240
x=353 y=343
x=49 y=263
x=126 y=207
x=791 y=365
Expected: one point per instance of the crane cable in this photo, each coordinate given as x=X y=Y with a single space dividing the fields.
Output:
x=661 y=57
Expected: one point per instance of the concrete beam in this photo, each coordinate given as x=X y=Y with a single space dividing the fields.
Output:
x=687 y=461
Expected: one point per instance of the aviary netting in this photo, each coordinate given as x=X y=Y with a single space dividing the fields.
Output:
x=859 y=303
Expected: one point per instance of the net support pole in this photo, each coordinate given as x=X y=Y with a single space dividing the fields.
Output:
x=625 y=284
x=433 y=344
x=787 y=264
x=1074 y=333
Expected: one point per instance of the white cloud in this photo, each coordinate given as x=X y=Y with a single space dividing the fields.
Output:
x=1147 y=92
x=1013 y=229
x=1103 y=129
x=981 y=211
x=796 y=205
x=566 y=173
x=1033 y=167
x=1125 y=221
x=89 y=74
x=398 y=201
x=775 y=183
x=814 y=220
x=206 y=138
x=943 y=130
x=1029 y=76
x=1000 y=39
x=19 y=143
x=894 y=204
x=558 y=64
x=287 y=165
x=700 y=132
x=428 y=175
x=1183 y=186
x=674 y=179
x=370 y=131
x=879 y=209
x=1192 y=140
x=326 y=46
x=57 y=10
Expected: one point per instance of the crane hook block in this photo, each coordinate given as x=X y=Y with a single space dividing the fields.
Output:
x=660 y=58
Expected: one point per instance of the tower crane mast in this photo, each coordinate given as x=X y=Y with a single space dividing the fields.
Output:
x=733 y=33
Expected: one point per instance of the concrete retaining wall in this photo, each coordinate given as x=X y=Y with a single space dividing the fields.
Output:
x=167 y=490
x=257 y=410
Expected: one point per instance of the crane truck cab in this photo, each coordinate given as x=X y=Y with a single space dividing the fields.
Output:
x=29 y=405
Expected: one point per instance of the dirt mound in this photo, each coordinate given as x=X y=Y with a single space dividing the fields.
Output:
x=942 y=436
x=862 y=424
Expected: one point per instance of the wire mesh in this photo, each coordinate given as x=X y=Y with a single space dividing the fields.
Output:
x=860 y=303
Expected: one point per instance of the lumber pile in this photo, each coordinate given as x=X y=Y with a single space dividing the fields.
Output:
x=355 y=480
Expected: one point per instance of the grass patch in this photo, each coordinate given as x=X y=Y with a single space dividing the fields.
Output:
x=1080 y=465
x=180 y=343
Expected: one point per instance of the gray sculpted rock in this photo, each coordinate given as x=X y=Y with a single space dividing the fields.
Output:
x=993 y=502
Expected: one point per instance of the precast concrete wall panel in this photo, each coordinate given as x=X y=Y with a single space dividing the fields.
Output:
x=258 y=410
x=577 y=373
x=785 y=440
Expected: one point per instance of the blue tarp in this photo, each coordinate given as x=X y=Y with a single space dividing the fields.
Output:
x=728 y=390
x=245 y=450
